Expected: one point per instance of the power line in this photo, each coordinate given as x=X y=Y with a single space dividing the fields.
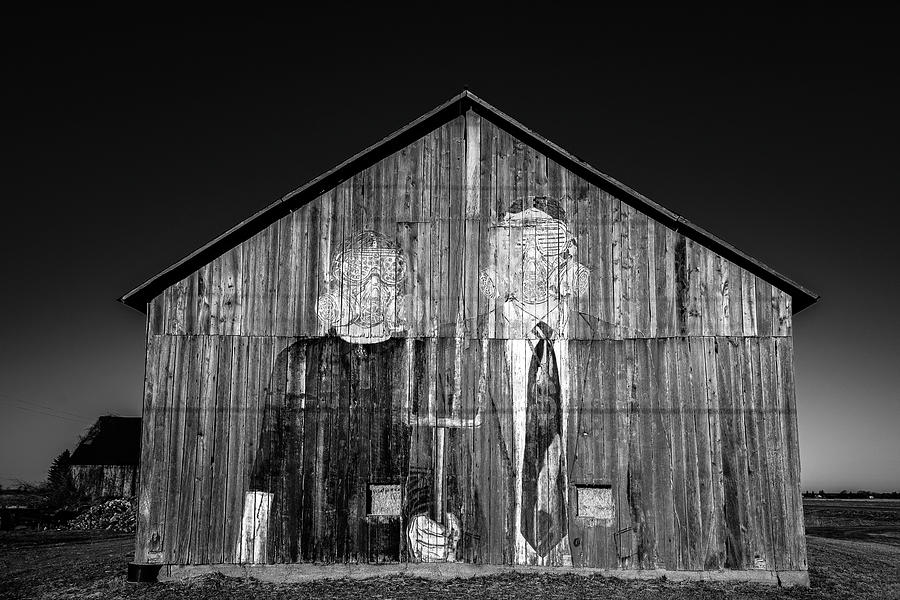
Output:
x=46 y=414
x=45 y=407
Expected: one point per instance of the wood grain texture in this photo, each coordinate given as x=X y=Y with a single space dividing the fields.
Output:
x=672 y=425
x=104 y=481
x=148 y=477
x=675 y=364
x=664 y=456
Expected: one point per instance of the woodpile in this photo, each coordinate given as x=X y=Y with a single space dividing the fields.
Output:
x=113 y=515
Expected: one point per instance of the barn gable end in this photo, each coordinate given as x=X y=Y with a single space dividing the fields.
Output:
x=675 y=402
x=445 y=190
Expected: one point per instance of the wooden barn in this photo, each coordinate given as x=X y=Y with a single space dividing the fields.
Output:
x=105 y=462
x=464 y=350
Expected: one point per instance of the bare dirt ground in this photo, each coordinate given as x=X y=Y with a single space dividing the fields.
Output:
x=843 y=563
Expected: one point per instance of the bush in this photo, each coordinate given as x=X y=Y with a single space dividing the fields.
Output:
x=113 y=515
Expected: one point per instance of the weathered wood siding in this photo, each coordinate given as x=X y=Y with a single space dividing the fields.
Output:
x=680 y=394
x=105 y=481
x=647 y=281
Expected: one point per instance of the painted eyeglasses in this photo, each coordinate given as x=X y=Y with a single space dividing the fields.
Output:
x=358 y=266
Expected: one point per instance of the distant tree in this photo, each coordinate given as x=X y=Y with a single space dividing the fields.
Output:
x=60 y=485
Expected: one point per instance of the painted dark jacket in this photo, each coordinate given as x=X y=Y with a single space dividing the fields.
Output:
x=338 y=416
x=330 y=425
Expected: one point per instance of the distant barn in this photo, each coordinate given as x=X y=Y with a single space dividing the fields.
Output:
x=105 y=463
x=465 y=349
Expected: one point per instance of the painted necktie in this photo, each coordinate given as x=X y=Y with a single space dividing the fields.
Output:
x=543 y=493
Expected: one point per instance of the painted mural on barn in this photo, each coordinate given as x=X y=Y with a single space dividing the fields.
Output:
x=472 y=437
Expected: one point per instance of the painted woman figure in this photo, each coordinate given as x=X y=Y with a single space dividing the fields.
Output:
x=325 y=396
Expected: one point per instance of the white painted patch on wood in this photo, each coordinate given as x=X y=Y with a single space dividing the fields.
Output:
x=385 y=499
x=595 y=502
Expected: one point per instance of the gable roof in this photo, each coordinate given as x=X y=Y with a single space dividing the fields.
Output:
x=139 y=297
x=110 y=441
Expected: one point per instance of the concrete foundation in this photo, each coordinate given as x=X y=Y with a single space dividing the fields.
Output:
x=287 y=573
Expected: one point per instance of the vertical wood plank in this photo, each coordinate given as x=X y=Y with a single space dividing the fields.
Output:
x=219 y=466
x=644 y=475
x=735 y=300
x=455 y=248
x=714 y=402
x=663 y=456
x=663 y=311
x=305 y=244
x=723 y=296
x=205 y=449
x=691 y=554
x=601 y=265
x=754 y=427
x=176 y=297
x=648 y=302
x=748 y=303
x=192 y=291
x=696 y=270
x=318 y=262
x=710 y=292
x=634 y=261
x=682 y=293
x=764 y=316
x=254 y=267
x=176 y=424
x=790 y=453
x=285 y=272
x=774 y=446
x=188 y=475
x=626 y=410
x=781 y=302
x=333 y=451
x=156 y=315
x=708 y=542
x=734 y=461
x=616 y=267
x=154 y=378
x=230 y=310
x=155 y=482
x=608 y=417
x=473 y=218
x=599 y=470
x=577 y=456
x=203 y=298
x=236 y=458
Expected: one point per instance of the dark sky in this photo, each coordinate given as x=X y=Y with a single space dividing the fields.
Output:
x=128 y=142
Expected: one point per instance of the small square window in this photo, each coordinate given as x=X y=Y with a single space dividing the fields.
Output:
x=384 y=499
x=595 y=503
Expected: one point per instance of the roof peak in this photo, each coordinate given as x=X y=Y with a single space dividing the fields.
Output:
x=459 y=104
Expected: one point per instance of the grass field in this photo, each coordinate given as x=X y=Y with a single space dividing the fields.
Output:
x=854 y=552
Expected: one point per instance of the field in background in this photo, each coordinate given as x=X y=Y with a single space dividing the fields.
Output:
x=854 y=552
x=864 y=520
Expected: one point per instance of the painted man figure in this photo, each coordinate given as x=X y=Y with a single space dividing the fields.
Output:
x=519 y=510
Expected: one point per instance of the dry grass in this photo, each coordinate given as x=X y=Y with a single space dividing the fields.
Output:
x=63 y=565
